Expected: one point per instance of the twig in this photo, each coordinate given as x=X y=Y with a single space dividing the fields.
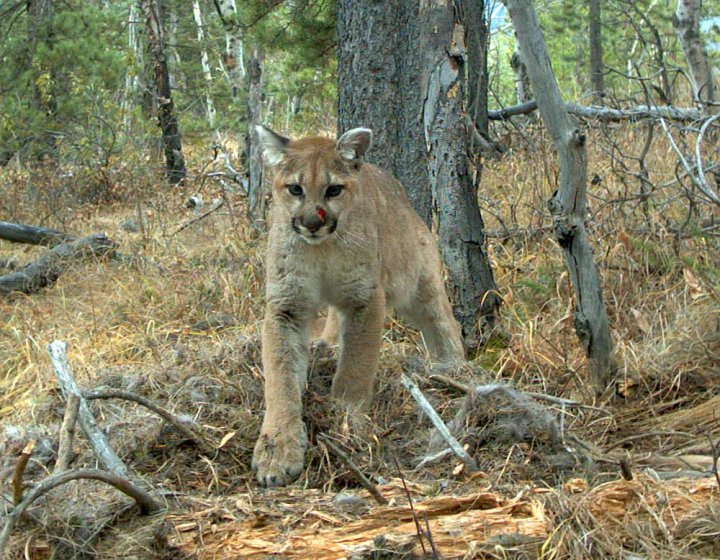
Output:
x=67 y=433
x=418 y=529
x=147 y=503
x=90 y=428
x=157 y=409
x=426 y=407
x=431 y=459
x=216 y=206
x=361 y=478
x=17 y=479
x=430 y=539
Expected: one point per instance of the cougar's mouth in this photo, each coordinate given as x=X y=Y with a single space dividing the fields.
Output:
x=314 y=237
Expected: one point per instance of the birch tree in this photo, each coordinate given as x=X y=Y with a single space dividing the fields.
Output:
x=133 y=73
x=205 y=62
x=568 y=205
x=687 y=26
x=234 y=60
x=256 y=199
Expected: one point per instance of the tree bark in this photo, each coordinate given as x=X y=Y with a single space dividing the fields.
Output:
x=205 y=62
x=460 y=225
x=380 y=62
x=476 y=38
x=605 y=114
x=256 y=196
x=568 y=204
x=687 y=26
x=597 y=80
x=174 y=162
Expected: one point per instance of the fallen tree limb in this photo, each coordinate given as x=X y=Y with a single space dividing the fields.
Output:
x=605 y=114
x=426 y=407
x=34 y=235
x=99 y=443
x=215 y=207
x=48 y=268
x=67 y=433
x=165 y=414
x=145 y=501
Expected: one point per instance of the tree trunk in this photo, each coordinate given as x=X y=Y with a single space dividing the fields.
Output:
x=174 y=162
x=380 y=63
x=460 y=226
x=476 y=37
x=568 y=204
x=523 y=90
x=234 y=58
x=40 y=31
x=204 y=60
x=687 y=26
x=256 y=195
x=134 y=71
x=597 y=80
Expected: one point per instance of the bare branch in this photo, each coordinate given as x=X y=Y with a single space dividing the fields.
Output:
x=67 y=433
x=68 y=385
x=426 y=407
x=157 y=409
x=148 y=505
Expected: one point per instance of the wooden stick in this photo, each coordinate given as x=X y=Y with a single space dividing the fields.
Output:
x=157 y=409
x=99 y=443
x=426 y=407
x=17 y=479
x=361 y=478
x=147 y=503
x=218 y=204
x=21 y=233
x=67 y=433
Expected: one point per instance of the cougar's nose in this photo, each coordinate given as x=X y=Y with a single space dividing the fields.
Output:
x=315 y=221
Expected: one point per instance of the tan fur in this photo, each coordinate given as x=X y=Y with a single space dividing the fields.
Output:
x=380 y=257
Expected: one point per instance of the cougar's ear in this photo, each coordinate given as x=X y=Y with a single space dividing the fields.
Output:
x=354 y=143
x=274 y=145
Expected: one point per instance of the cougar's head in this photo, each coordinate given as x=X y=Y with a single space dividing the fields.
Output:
x=315 y=179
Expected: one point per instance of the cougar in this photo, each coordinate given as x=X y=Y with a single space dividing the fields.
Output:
x=343 y=235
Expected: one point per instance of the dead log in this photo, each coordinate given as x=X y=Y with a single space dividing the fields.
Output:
x=48 y=268
x=605 y=114
x=34 y=235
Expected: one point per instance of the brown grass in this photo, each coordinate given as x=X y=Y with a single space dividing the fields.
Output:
x=130 y=325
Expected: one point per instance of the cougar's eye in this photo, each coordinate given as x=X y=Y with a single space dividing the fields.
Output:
x=333 y=191
x=295 y=189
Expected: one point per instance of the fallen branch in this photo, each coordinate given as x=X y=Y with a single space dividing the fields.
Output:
x=99 y=443
x=426 y=407
x=67 y=433
x=17 y=479
x=21 y=233
x=48 y=268
x=216 y=206
x=605 y=114
x=361 y=478
x=157 y=409
x=145 y=501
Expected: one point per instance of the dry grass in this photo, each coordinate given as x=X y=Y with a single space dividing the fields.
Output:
x=135 y=325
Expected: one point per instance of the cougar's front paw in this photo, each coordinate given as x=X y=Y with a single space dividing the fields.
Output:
x=279 y=456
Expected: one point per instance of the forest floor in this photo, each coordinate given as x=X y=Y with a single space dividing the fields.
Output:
x=177 y=321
